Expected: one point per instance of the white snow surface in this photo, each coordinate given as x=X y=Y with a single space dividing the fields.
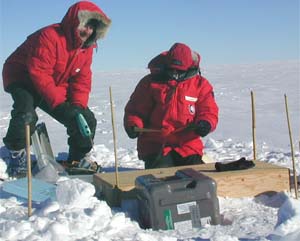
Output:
x=78 y=215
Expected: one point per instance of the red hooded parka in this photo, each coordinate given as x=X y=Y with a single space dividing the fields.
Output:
x=170 y=105
x=54 y=61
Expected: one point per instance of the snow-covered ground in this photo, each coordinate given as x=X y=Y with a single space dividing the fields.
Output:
x=78 y=215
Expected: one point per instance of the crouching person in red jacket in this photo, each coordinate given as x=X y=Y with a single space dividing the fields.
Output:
x=52 y=70
x=170 y=109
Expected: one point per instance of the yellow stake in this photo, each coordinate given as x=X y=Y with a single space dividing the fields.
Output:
x=114 y=136
x=253 y=126
x=27 y=131
x=292 y=147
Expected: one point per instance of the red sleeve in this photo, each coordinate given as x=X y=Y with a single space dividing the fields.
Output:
x=40 y=65
x=80 y=86
x=139 y=107
x=206 y=106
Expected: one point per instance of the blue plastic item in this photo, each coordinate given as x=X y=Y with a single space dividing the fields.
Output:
x=41 y=191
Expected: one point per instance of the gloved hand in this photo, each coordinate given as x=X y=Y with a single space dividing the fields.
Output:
x=67 y=111
x=131 y=132
x=201 y=129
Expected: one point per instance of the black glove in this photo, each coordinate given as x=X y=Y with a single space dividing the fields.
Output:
x=201 y=129
x=131 y=132
x=66 y=111
x=240 y=164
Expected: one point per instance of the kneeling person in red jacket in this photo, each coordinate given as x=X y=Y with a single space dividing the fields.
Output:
x=52 y=70
x=170 y=109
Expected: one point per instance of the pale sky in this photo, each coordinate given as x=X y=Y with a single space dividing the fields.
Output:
x=223 y=32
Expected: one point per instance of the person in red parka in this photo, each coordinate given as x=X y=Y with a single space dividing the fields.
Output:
x=51 y=70
x=170 y=109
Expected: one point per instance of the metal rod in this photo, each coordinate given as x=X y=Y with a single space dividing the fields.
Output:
x=292 y=147
x=114 y=136
x=27 y=131
x=253 y=125
x=137 y=129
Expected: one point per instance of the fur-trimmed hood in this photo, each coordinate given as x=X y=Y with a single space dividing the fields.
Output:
x=78 y=15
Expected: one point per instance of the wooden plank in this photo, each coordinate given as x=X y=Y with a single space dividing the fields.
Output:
x=263 y=178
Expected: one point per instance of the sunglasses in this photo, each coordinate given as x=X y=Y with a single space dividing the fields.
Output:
x=176 y=74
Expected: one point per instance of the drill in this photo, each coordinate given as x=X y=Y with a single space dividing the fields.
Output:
x=84 y=127
x=86 y=132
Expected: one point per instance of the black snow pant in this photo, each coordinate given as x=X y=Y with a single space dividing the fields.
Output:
x=171 y=160
x=25 y=103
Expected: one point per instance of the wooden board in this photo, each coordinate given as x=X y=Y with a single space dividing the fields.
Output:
x=263 y=178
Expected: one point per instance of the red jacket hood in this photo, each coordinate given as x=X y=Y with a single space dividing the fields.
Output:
x=78 y=15
x=179 y=52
